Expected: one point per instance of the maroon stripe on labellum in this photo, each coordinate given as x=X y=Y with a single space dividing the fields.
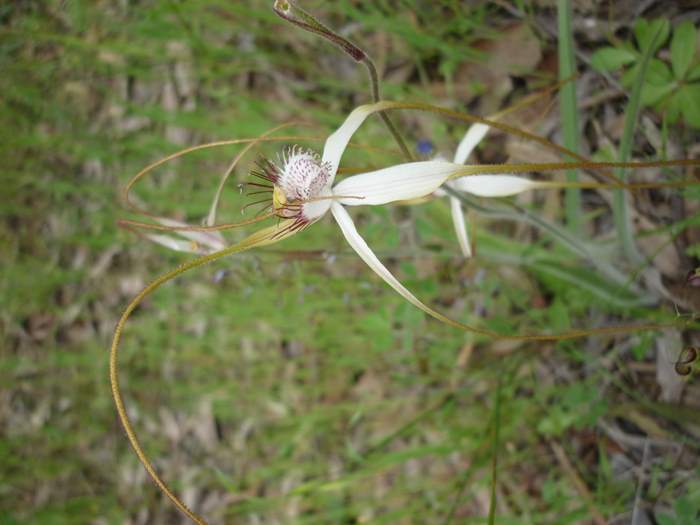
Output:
x=266 y=170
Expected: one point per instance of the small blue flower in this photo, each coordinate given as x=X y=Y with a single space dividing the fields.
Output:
x=424 y=147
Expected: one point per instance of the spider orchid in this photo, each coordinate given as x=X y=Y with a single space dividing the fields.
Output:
x=301 y=189
x=300 y=178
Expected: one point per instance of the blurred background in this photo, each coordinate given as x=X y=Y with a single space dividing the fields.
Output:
x=290 y=384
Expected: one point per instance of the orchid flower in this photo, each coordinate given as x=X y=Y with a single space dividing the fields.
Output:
x=302 y=189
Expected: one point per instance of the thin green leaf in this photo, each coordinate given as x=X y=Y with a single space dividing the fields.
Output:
x=621 y=214
x=683 y=48
x=495 y=450
x=616 y=289
x=569 y=110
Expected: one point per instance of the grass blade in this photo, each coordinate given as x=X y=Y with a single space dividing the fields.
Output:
x=619 y=281
x=620 y=210
x=496 y=447
x=569 y=110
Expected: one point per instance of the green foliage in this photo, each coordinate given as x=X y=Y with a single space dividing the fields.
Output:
x=672 y=85
x=686 y=512
x=578 y=407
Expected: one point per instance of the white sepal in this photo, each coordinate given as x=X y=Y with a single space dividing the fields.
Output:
x=474 y=135
x=347 y=226
x=337 y=141
x=494 y=185
x=459 y=221
x=355 y=240
x=178 y=245
x=402 y=182
x=212 y=240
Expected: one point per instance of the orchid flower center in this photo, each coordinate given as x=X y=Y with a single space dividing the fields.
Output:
x=301 y=187
x=303 y=175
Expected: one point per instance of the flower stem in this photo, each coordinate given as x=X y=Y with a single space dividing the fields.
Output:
x=374 y=81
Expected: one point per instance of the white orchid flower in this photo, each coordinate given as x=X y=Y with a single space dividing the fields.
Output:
x=302 y=191
x=303 y=178
x=303 y=188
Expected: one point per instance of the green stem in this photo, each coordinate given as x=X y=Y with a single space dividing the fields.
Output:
x=568 y=109
x=496 y=448
x=374 y=81
x=621 y=213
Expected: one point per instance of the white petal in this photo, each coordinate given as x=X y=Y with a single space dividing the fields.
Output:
x=175 y=244
x=338 y=141
x=494 y=185
x=315 y=209
x=347 y=226
x=459 y=221
x=397 y=183
x=474 y=135
x=355 y=240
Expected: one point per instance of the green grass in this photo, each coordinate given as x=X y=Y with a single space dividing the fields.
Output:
x=299 y=388
x=569 y=108
x=620 y=204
